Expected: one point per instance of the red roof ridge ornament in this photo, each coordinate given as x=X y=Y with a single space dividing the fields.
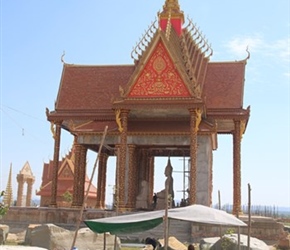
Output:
x=144 y=42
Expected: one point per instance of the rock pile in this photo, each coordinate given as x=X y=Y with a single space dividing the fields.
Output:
x=284 y=240
x=50 y=236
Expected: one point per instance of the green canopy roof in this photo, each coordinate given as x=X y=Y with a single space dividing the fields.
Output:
x=138 y=222
x=130 y=227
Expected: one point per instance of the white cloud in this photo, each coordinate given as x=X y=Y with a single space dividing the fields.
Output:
x=275 y=51
x=238 y=45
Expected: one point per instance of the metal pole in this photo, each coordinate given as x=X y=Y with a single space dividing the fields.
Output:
x=239 y=238
x=105 y=241
x=249 y=216
x=184 y=178
x=219 y=199
x=88 y=189
x=117 y=195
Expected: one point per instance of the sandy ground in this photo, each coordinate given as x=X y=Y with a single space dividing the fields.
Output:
x=20 y=247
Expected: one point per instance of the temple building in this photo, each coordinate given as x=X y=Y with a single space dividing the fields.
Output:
x=65 y=180
x=171 y=101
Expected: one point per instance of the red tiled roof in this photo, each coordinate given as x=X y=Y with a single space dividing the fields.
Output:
x=224 y=85
x=91 y=87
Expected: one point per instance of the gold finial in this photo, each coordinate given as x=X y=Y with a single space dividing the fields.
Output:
x=172 y=6
x=198 y=113
x=168 y=27
x=118 y=119
x=52 y=129
x=242 y=128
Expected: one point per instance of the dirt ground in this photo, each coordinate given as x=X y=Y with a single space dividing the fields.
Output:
x=18 y=238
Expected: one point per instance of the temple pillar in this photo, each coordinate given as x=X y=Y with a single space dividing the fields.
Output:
x=195 y=118
x=132 y=178
x=237 y=136
x=76 y=182
x=79 y=174
x=82 y=175
x=144 y=165
x=56 y=136
x=151 y=178
x=20 y=181
x=30 y=183
x=122 y=163
x=102 y=177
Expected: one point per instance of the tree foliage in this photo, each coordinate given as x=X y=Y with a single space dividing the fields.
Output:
x=3 y=207
x=67 y=196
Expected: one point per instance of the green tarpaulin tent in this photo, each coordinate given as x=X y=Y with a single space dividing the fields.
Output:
x=138 y=222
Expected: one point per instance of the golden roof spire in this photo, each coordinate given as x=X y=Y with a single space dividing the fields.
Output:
x=172 y=13
x=171 y=4
x=8 y=196
x=171 y=7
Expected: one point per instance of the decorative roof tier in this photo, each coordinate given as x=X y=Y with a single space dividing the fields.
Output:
x=171 y=68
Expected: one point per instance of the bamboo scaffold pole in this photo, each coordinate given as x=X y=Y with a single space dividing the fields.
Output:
x=88 y=189
x=249 y=216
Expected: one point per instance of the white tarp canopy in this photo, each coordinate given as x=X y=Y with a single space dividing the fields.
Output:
x=203 y=214
x=146 y=220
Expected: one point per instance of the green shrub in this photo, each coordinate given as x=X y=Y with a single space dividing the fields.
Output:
x=3 y=207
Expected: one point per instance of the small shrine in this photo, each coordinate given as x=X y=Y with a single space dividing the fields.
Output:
x=171 y=101
x=65 y=180
x=25 y=180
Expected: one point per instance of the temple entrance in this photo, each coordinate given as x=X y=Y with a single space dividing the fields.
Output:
x=180 y=176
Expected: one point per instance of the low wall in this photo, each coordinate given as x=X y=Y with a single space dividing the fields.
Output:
x=18 y=219
x=263 y=228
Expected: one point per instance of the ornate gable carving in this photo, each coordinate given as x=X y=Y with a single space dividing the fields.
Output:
x=66 y=171
x=159 y=77
x=26 y=170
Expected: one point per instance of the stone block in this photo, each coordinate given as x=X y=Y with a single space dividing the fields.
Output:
x=30 y=228
x=230 y=241
x=4 y=230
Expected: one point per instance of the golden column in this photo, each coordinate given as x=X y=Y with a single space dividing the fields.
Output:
x=237 y=136
x=102 y=178
x=195 y=119
x=122 y=156
x=56 y=135
x=77 y=165
x=82 y=174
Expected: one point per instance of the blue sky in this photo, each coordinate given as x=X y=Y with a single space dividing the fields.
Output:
x=34 y=35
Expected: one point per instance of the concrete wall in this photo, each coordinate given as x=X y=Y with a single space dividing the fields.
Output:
x=204 y=168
